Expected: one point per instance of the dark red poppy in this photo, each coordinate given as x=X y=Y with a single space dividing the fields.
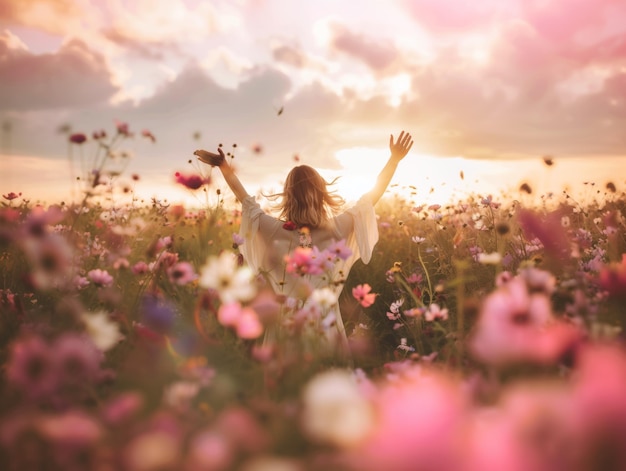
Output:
x=290 y=226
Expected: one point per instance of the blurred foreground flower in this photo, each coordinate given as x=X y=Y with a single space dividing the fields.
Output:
x=335 y=411
x=516 y=325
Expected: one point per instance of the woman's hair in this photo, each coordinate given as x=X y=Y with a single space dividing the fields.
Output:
x=306 y=200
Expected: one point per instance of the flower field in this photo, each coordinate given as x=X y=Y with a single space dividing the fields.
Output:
x=486 y=334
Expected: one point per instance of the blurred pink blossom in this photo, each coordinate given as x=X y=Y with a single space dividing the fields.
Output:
x=181 y=273
x=100 y=277
x=517 y=325
x=362 y=294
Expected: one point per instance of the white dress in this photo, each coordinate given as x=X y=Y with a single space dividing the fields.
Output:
x=267 y=243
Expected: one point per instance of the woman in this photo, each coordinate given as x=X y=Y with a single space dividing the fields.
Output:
x=309 y=218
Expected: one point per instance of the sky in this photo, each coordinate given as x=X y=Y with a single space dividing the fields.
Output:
x=487 y=89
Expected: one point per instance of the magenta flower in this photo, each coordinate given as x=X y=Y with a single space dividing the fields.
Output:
x=191 y=181
x=100 y=277
x=362 y=294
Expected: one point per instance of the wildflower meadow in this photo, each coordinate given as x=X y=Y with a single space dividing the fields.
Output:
x=484 y=334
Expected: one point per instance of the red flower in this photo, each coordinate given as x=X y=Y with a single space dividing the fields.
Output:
x=290 y=226
x=78 y=138
x=12 y=195
x=193 y=181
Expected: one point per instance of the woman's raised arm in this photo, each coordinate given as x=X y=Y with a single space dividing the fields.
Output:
x=219 y=160
x=399 y=150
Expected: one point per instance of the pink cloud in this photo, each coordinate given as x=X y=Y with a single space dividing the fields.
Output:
x=73 y=76
x=375 y=53
x=455 y=16
x=48 y=15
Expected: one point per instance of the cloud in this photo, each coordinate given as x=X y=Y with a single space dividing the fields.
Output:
x=48 y=15
x=377 y=54
x=453 y=16
x=74 y=76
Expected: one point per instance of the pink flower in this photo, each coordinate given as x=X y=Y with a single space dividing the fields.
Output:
x=78 y=360
x=191 y=181
x=612 y=278
x=362 y=294
x=140 y=268
x=420 y=417
x=122 y=407
x=302 y=262
x=516 y=325
x=434 y=312
x=100 y=277
x=181 y=273
x=147 y=134
x=244 y=320
x=340 y=250
x=31 y=367
x=122 y=128
x=248 y=325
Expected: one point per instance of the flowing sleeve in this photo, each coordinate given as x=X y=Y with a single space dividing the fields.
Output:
x=253 y=248
x=365 y=227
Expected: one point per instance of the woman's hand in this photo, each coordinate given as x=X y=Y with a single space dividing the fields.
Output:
x=214 y=160
x=401 y=147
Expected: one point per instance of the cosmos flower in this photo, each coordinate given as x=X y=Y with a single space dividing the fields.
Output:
x=232 y=282
x=340 y=250
x=244 y=320
x=362 y=294
x=104 y=332
x=77 y=359
x=100 y=277
x=435 y=312
x=181 y=273
x=31 y=367
x=191 y=181
x=334 y=410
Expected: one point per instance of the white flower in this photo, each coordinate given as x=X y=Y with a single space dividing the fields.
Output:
x=104 y=333
x=335 y=412
x=493 y=258
x=418 y=240
x=180 y=394
x=404 y=346
x=232 y=283
x=324 y=297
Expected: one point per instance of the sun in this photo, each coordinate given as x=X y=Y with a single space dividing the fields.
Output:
x=425 y=178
